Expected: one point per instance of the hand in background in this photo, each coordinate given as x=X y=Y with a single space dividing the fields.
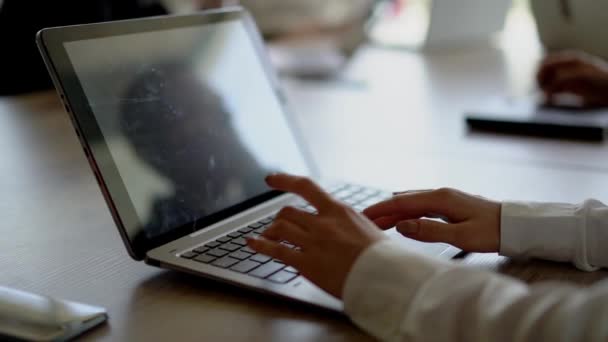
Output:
x=329 y=242
x=574 y=73
x=474 y=222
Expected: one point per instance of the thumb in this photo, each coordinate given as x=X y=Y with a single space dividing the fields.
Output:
x=428 y=231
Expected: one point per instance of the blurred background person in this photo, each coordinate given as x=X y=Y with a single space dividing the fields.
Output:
x=574 y=73
x=21 y=66
x=281 y=17
x=311 y=38
x=573 y=34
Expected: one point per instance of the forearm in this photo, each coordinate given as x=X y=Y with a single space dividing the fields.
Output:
x=396 y=295
x=558 y=232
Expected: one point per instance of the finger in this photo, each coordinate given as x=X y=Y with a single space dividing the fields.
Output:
x=549 y=72
x=387 y=222
x=303 y=187
x=276 y=250
x=588 y=98
x=583 y=70
x=578 y=85
x=443 y=202
x=410 y=191
x=283 y=230
x=300 y=217
x=560 y=61
x=593 y=102
x=430 y=231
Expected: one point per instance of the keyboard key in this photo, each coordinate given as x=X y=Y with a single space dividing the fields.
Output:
x=223 y=239
x=239 y=241
x=299 y=202
x=217 y=253
x=201 y=250
x=266 y=220
x=309 y=209
x=288 y=245
x=255 y=225
x=245 y=230
x=359 y=197
x=205 y=258
x=350 y=201
x=240 y=255
x=212 y=244
x=384 y=197
x=282 y=277
x=291 y=269
x=356 y=189
x=266 y=270
x=261 y=258
x=343 y=194
x=370 y=192
x=245 y=266
x=251 y=235
x=368 y=202
x=261 y=230
x=230 y=247
x=248 y=250
x=225 y=262
x=235 y=235
x=336 y=188
x=188 y=255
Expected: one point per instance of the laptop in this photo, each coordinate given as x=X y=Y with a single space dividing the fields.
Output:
x=181 y=118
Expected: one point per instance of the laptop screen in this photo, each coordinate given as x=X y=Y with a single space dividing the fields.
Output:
x=190 y=118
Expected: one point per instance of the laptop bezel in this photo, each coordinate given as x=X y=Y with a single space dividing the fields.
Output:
x=51 y=44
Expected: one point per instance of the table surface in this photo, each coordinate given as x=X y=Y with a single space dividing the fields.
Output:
x=393 y=120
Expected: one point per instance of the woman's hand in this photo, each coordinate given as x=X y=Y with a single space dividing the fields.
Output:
x=574 y=73
x=473 y=222
x=328 y=243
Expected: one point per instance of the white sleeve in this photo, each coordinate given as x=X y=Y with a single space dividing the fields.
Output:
x=558 y=232
x=397 y=295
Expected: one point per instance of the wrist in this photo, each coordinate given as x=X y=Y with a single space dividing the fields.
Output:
x=382 y=284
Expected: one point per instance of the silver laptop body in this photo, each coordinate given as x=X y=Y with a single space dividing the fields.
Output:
x=131 y=88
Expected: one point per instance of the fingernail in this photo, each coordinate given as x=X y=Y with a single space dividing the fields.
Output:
x=408 y=227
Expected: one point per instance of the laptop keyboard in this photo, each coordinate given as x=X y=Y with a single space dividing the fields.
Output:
x=231 y=251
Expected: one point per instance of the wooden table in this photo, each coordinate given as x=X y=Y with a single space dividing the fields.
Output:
x=394 y=120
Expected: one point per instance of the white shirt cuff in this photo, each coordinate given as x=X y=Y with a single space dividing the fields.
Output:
x=381 y=285
x=551 y=231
